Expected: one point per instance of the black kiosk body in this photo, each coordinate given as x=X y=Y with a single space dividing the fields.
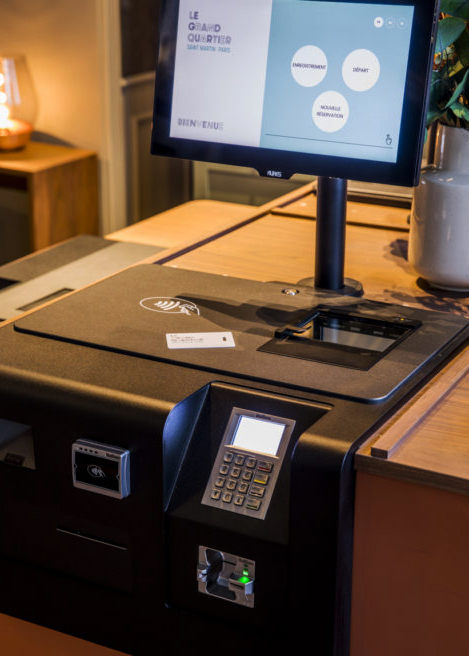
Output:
x=155 y=498
x=176 y=456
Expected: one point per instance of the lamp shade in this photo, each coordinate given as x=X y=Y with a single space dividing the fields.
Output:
x=18 y=105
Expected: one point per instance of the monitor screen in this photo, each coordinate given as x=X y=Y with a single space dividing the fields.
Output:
x=296 y=86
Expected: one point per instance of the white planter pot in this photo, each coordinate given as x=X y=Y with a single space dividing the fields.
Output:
x=439 y=227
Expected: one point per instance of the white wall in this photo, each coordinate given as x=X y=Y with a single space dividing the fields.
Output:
x=60 y=41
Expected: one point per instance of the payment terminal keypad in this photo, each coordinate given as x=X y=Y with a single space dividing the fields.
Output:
x=243 y=481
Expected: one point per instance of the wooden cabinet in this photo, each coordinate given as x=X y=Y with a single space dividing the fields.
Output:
x=61 y=184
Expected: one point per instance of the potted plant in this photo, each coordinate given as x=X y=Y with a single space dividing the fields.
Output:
x=439 y=231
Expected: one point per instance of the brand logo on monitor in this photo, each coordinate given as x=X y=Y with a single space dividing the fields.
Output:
x=274 y=174
x=170 y=305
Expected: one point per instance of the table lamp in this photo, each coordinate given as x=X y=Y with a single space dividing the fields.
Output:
x=18 y=104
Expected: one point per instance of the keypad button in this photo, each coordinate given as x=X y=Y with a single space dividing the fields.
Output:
x=257 y=491
x=235 y=472
x=239 y=460
x=227 y=497
x=231 y=485
x=220 y=482
x=216 y=494
x=224 y=469
x=260 y=478
x=253 y=504
x=243 y=488
x=251 y=462
x=247 y=475
x=228 y=457
x=264 y=465
x=239 y=500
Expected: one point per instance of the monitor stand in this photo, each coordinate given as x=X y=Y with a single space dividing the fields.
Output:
x=330 y=239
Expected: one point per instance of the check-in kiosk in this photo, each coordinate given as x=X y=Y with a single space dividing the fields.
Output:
x=176 y=457
x=176 y=447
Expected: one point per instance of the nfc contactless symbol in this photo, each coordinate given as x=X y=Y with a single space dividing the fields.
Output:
x=309 y=66
x=170 y=305
x=95 y=471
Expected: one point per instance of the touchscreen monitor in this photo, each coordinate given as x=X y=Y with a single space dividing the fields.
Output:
x=296 y=86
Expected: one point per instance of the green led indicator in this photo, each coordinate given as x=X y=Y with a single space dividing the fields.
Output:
x=245 y=576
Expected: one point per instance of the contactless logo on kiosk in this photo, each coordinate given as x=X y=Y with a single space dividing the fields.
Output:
x=169 y=305
x=95 y=471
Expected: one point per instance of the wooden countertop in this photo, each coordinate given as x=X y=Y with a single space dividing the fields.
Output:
x=36 y=157
x=427 y=440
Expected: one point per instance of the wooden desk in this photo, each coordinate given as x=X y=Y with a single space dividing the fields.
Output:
x=62 y=188
x=412 y=534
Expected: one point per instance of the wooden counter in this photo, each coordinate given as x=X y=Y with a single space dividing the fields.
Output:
x=412 y=503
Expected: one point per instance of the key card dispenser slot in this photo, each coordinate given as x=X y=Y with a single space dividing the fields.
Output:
x=226 y=576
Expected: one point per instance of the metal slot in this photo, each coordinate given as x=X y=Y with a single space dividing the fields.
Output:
x=226 y=576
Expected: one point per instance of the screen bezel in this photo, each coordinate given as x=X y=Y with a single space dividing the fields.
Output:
x=279 y=163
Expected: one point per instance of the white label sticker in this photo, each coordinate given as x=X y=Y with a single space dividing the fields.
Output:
x=200 y=340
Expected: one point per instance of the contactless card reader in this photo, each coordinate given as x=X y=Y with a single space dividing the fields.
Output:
x=101 y=468
x=248 y=463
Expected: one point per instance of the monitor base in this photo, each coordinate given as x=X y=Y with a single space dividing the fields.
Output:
x=350 y=287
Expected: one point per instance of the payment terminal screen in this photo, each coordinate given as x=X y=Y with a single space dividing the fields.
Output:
x=258 y=435
x=325 y=78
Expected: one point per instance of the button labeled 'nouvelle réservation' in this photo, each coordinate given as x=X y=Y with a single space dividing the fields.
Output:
x=330 y=111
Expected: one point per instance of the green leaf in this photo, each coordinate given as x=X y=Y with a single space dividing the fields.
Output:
x=448 y=118
x=462 y=48
x=460 y=110
x=432 y=116
x=459 y=8
x=449 y=30
x=460 y=89
x=440 y=91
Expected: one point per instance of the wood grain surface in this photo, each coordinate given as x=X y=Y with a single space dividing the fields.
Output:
x=276 y=247
x=39 y=157
x=19 y=638
x=62 y=188
x=410 y=574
